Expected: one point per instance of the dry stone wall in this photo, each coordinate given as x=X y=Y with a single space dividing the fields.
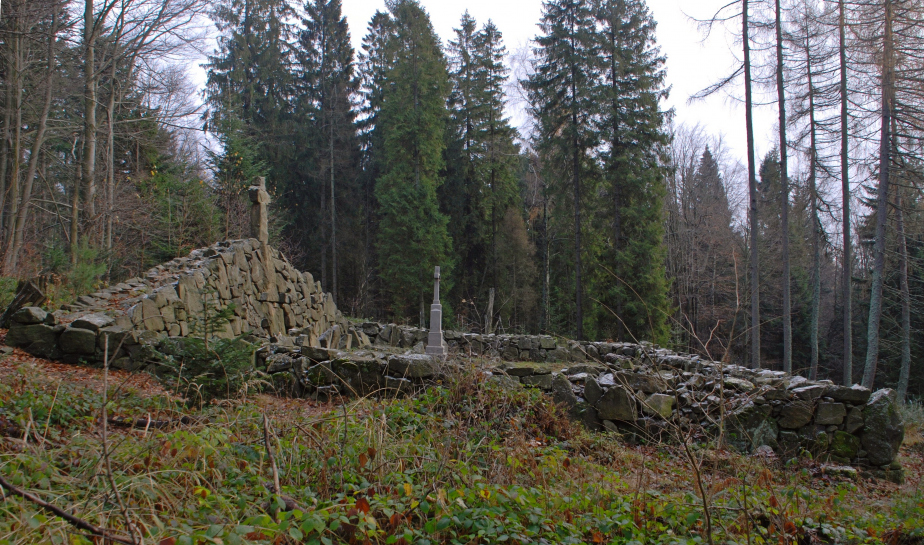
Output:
x=637 y=390
x=271 y=300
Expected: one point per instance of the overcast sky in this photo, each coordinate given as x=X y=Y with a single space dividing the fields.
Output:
x=691 y=65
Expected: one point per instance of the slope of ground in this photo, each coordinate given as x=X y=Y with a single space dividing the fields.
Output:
x=467 y=462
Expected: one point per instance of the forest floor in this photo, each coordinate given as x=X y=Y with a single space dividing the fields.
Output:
x=466 y=462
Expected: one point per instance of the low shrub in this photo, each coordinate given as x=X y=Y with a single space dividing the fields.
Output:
x=203 y=371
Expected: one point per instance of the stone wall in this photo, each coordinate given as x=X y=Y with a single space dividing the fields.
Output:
x=271 y=299
x=637 y=390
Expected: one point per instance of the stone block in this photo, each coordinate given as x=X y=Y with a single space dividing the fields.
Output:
x=22 y=336
x=739 y=384
x=844 y=445
x=510 y=353
x=562 y=393
x=592 y=391
x=543 y=382
x=884 y=430
x=558 y=354
x=524 y=368
x=93 y=322
x=78 y=341
x=855 y=394
x=809 y=393
x=795 y=415
x=150 y=315
x=616 y=404
x=29 y=316
x=415 y=366
x=658 y=405
x=854 y=420
x=828 y=414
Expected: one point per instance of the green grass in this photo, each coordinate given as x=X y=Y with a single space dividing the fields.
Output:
x=468 y=462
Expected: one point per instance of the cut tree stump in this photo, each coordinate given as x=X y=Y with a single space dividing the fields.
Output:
x=27 y=295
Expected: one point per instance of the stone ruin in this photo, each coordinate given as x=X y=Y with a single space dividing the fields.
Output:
x=637 y=390
x=271 y=298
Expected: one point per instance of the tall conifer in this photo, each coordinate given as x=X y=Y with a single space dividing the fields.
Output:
x=632 y=135
x=251 y=68
x=481 y=157
x=564 y=103
x=327 y=85
x=413 y=235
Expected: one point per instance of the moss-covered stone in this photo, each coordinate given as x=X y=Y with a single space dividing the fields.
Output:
x=844 y=445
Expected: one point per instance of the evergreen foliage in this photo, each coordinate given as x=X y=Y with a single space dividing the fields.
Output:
x=250 y=71
x=632 y=134
x=413 y=235
x=326 y=86
x=481 y=158
x=564 y=103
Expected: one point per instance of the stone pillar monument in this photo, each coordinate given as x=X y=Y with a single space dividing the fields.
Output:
x=436 y=346
x=259 y=218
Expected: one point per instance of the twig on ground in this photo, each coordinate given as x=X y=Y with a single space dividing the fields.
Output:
x=57 y=511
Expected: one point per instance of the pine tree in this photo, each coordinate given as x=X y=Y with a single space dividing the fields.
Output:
x=634 y=172
x=562 y=94
x=701 y=258
x=413 y=235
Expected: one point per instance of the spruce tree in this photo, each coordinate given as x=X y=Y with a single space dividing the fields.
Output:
x=413 y=236
x=564 y=104
x=326 y=87
x=481 y=156
x=375 y=60
x=251 y=69
x=632 y=135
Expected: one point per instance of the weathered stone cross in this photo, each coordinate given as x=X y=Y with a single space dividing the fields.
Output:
x=259 y=218
x=436 y=346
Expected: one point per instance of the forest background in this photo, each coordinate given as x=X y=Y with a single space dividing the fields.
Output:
x=600 y=218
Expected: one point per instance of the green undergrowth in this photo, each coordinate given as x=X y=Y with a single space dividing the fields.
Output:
x=468 y=462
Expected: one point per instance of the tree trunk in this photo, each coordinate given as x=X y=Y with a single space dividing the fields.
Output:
x=847 y=267
x=784 y=178
x=576 y=158
x=546 y=269
x=75 y=211
x=110 y=167
x=324 y=239
x=15 y=187
x=16 y=234
x=816 y=222
x=752 y=186
x=333 y=209
x=903 y=376
x=90 y=104
x=882 y=203
x=5 y=147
